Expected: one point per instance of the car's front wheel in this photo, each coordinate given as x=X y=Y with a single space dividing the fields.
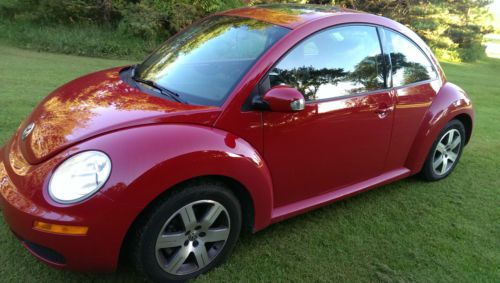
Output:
x=445 y=152
x=188 y=233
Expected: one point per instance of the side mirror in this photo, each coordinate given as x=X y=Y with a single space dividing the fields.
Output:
x=284 y=99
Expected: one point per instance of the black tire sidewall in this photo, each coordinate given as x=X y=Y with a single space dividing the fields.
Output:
x=164 y=211
x=427 y=171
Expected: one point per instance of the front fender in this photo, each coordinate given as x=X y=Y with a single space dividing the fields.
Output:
x=146 y=161
x=450 y=102
x=149 y=160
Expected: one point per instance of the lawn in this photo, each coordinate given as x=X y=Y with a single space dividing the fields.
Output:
x=407 y=231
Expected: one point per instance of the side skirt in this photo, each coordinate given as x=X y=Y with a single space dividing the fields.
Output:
x=290 y=210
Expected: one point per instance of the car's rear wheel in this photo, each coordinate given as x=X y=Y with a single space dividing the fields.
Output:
x=445 y=152
x=188 y=233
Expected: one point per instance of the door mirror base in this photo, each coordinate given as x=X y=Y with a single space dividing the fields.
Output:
x=280 y=99
x=258 y=103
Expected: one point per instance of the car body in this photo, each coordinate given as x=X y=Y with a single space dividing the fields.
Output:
x=279 y=161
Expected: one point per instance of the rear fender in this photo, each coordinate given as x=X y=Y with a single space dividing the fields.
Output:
x=450 y=102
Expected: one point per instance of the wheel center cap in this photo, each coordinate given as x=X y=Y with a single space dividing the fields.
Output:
x=192 y=236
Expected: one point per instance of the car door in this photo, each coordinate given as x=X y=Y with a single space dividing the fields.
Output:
x=342 y=135
x=415 y=84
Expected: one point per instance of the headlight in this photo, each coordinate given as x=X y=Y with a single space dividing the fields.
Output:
x=79 y=177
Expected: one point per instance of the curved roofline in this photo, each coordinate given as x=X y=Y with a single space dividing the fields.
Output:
x=289 y=16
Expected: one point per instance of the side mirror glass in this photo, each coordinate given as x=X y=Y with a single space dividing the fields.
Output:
x=284 y=99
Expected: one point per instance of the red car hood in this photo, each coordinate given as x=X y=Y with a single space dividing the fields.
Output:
x=95 y=104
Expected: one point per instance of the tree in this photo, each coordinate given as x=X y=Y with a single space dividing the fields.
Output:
x=454 y=29
x=309 y=79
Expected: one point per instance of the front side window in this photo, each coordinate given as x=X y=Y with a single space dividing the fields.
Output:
x=409 y=63
x=205 y=62
x=335 y=62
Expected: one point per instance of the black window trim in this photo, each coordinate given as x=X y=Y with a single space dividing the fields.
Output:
x=387 y=60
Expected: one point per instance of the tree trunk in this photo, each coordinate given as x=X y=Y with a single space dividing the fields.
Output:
x=107 y=7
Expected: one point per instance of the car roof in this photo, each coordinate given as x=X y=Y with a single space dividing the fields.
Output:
x=288 y=15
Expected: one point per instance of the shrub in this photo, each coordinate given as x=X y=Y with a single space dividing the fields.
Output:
x=148 y=19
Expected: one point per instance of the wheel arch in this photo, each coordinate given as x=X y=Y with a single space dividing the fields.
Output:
x=466 y=120
x=451 y=102
x=148 y=161
x=241 y=193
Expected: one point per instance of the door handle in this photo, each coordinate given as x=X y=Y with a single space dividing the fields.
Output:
x=383 y=111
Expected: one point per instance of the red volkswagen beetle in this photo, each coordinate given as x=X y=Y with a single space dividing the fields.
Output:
x=242 y=120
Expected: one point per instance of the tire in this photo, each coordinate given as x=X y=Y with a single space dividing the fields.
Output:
x=185 y=219
x=445 y=153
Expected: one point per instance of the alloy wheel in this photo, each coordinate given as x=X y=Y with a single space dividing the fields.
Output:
x=192 y=237
x=446 y=153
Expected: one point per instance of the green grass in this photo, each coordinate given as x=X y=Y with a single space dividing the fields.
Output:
x=86 y=40
x=407 y=231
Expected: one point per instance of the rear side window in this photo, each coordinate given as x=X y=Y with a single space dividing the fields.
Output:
x=409 y=63
x=336 y=62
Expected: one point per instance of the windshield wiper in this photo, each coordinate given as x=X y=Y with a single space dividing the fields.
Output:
x=175 y=96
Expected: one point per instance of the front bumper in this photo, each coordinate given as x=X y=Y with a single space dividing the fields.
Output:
x=98 y=251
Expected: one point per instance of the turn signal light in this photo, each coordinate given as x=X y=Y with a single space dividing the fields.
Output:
x=60 y=229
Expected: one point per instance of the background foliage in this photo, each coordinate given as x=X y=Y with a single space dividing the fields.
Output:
x=453 y=28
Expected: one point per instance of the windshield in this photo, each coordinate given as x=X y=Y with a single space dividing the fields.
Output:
x=204 y=63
